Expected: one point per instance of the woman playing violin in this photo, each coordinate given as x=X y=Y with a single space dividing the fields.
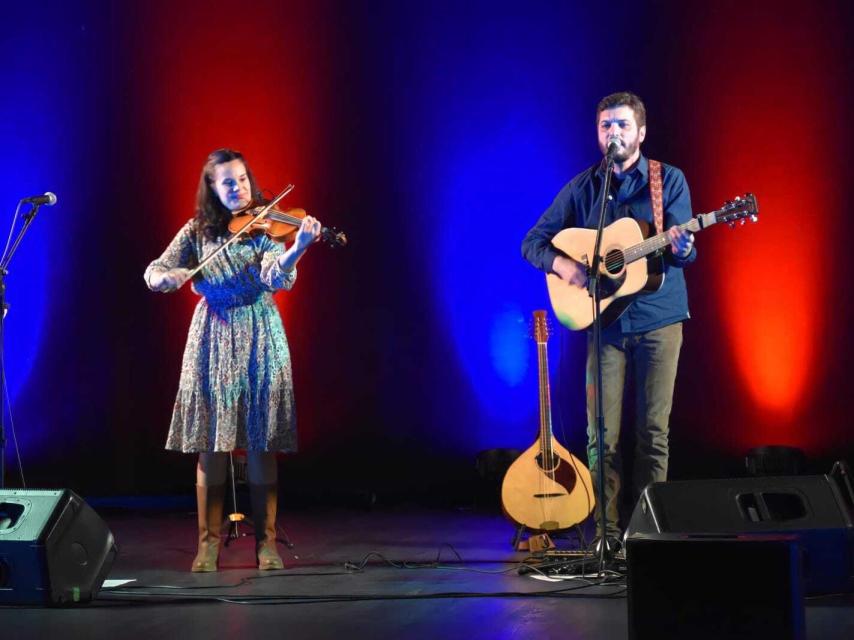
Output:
x=236 y=388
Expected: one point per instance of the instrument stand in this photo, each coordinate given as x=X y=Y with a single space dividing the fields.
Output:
x=541 y=542
x=594 y=289
x=6 y=258
x=534 y=543
x=235 y=518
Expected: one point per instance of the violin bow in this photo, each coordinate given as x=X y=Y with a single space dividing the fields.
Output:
x=240 y=232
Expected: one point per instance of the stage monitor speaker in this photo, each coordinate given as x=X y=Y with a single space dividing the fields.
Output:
x=54 y=548
x=808 y=507
x=739 y=588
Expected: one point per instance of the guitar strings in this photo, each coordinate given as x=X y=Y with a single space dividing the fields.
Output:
x=626 y=256
x=746 y=208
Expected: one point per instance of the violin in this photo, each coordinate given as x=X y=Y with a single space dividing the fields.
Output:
x=280 y=226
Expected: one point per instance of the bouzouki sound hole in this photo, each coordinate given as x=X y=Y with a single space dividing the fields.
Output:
x=559 y=471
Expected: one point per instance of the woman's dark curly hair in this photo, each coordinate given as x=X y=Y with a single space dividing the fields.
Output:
x=211 y=215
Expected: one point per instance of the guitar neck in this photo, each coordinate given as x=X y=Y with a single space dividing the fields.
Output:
x=661 y=240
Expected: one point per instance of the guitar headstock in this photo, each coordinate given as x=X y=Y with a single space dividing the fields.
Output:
x=541 y=327
x=742 y=209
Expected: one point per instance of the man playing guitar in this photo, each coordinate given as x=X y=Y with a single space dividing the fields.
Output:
x=648 y=334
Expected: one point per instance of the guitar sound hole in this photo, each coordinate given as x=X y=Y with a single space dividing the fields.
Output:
x=614 y=261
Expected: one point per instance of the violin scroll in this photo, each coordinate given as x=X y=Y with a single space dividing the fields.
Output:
x=333 y=237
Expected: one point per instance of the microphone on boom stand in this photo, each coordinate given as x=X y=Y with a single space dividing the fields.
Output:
x=47 y=199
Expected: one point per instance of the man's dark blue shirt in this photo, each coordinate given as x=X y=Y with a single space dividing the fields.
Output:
x=578 y=205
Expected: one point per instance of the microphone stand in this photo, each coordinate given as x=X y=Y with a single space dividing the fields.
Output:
x=4 y=271
x=595 y=291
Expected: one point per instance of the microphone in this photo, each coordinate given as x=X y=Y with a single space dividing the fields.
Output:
x=48 y=199
x=613 y=147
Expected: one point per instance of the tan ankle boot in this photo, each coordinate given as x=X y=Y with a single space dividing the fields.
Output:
x=210 y=500
x=264 y=499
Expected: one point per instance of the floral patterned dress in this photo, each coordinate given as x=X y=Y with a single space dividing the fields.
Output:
x=236 y=387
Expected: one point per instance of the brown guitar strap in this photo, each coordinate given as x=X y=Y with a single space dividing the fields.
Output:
x=655 y=193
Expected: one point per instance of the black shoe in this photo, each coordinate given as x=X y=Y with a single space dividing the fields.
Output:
x=612 y=544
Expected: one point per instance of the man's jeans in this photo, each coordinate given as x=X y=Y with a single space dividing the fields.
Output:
x=654 y=356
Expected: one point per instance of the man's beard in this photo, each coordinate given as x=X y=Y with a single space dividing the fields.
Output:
x=625 y=152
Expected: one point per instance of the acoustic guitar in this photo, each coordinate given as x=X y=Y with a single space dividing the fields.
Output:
x=546 y=488
x=631 y=263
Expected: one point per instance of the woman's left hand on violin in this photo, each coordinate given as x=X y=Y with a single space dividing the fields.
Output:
x=308 y=232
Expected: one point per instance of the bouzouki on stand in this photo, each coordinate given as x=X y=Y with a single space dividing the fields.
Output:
x=546 y=488
x=631 y=263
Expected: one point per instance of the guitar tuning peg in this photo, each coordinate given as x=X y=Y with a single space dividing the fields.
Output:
x=754 y=218
x=737 y=198
x=743 y=221
x=731 y=225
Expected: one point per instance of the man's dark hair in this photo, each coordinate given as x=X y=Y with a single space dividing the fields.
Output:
x=623 y=99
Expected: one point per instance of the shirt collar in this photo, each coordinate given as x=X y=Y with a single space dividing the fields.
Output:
x=641 y=165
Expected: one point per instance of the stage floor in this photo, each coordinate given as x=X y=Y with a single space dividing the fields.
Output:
x=357 y=574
